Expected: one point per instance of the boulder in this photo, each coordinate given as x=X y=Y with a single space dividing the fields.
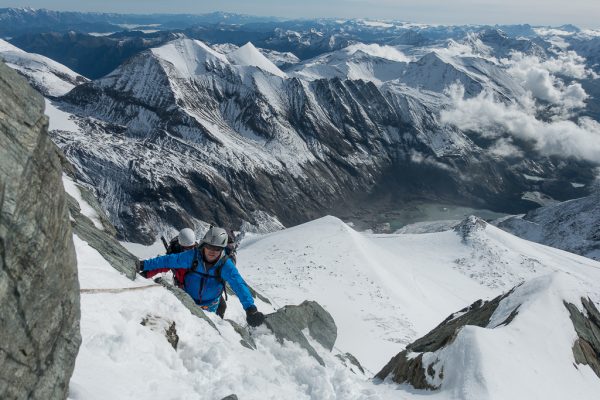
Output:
x=39 y=289
x=289 y=322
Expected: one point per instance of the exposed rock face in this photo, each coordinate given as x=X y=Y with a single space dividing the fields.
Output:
x=289 y=322
x=586 y=349
x=407 y=369
x=39 y=290
x=102 y=240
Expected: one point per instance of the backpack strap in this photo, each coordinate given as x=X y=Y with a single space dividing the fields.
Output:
x=195 y=260
x=222 y=262
x=217 y=275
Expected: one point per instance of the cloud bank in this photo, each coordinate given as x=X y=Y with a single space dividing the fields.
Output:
x=539 y=77
x=493 y=119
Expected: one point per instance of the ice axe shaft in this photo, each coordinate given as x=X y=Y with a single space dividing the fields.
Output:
x=165 y=242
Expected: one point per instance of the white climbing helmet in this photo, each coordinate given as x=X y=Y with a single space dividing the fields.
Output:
x=216 y=237
x=187 y=237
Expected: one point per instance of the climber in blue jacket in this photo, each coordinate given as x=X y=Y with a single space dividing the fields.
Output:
x=208 y=268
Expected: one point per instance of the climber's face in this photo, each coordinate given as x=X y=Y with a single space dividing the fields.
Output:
x=212 y=253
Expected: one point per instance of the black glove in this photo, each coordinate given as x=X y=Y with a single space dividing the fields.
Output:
x=254 y=317
x=139 y=266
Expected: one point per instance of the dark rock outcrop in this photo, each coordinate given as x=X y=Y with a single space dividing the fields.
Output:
x=405 y=369
x=586 y=348
x=289 y=322
x=39 y=290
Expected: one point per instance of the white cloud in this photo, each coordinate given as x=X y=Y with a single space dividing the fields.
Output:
x=387 y=52
x=538 y=76
x=504 y=147
x=494 y=119
x=475 y=48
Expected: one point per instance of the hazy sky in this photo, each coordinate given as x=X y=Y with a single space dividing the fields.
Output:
x=584 y=13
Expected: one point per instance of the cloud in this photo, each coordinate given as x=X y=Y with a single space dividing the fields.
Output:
x=382 y=51
x=494 y=119
x=476 y=48
x=538 y=77
x=504 y=147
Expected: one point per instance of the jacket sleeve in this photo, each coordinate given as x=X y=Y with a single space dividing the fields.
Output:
x=231 y=274
x=173 y=261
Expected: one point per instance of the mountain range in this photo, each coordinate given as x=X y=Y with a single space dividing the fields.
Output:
x=185 y=132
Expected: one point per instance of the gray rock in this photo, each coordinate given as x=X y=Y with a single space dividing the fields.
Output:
x=349 y=358
x=39 y=289
x=163 y=326
x=289 y=322
x=188 y=302
x=411 y=370
x=230 y=397
x=247 y=340
x=103 y=241
x=586 y=348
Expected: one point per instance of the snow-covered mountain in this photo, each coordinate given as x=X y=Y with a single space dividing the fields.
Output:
x=434 y=71
x=256 y=141
x=46 y=75
x=572 y=225
x=359 y=61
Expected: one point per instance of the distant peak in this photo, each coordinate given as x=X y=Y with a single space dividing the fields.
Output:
x=249 y=55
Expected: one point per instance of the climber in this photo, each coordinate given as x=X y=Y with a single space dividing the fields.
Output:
x=207 y=268
x=185 y=240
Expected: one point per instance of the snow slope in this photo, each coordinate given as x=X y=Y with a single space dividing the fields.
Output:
x=529 y=358
x=382 y=290
x=392 y=289
x=44 y=74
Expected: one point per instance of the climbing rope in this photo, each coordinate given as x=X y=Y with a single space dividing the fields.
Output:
x=118 y=290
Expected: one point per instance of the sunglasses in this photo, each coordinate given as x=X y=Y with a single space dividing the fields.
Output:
x=212 y=248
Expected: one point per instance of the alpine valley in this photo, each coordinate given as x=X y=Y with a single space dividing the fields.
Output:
x=350 y=156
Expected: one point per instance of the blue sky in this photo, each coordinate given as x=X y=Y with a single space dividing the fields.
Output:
x=584 y=13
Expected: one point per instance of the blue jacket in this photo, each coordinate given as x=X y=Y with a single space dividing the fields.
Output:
x=202 y=285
